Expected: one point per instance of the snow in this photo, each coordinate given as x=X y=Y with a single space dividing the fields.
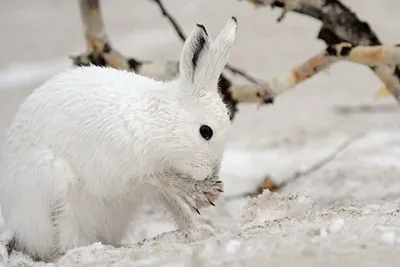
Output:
x=336 y=226
x=21 y=74
x=388 y=238
x=233 y=246
x=344 y=214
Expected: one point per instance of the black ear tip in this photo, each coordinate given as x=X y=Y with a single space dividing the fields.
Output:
x=201 y=26
x=234 y=19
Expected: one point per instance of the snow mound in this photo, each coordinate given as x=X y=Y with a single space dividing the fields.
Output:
x=287 y=230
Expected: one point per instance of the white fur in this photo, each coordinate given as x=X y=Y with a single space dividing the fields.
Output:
x=87 y=146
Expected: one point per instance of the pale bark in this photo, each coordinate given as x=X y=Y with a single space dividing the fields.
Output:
x=381 y=58
x=339 y=25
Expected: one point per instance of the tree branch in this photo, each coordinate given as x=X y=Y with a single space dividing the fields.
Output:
x=380 y=58
x=286 y=81
x=171 y=19
x=367 y=55
x=339 y=24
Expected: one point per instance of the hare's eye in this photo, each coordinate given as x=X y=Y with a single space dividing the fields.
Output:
x=206 y=132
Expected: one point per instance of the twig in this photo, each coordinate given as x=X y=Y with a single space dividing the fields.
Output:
x=171 y=19
x=178 y=29
x=299 y=174
x=346 y=110
x=242 y=73
x=323 y=162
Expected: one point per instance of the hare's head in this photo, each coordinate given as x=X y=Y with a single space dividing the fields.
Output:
x=201 y=125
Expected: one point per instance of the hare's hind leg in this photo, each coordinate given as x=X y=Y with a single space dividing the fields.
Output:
x=31 y=183
x=69 y=232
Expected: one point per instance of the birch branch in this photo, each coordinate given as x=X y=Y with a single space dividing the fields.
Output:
x=339 y=24
x=367 y=55
x=286 y=81
x=380 y=58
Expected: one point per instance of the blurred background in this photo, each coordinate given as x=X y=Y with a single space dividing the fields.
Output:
x=300 y=128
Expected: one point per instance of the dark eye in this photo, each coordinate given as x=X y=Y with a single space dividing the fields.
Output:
x=206 y=132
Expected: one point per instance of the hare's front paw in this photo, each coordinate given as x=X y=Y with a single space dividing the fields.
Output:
x=207 y=192
x=197 y=194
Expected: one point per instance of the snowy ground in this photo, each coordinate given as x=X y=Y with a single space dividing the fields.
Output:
x=345 y=214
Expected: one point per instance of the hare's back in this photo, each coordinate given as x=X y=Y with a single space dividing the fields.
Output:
x=79 y=107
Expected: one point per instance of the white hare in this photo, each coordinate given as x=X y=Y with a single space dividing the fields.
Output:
x=86 y=147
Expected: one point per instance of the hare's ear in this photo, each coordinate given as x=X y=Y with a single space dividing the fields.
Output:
x=221 y=49
x=194 y=54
